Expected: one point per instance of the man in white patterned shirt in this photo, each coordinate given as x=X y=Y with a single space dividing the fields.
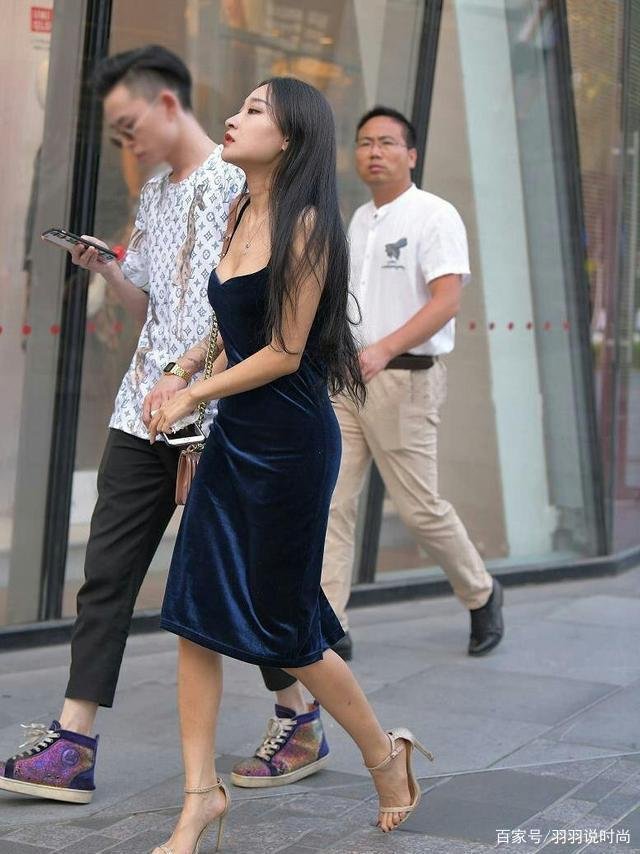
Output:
x=162 y=281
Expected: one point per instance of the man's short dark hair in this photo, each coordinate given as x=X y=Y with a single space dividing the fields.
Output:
x=407 y=128
x=145 y=70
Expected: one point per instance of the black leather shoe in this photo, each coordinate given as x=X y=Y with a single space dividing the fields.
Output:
x=487 y=626
x=344 y=647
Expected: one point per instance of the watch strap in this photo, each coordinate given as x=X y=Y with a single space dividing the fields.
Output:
x=177 y=371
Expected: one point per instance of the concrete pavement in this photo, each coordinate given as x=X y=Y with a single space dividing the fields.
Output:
x=537 y=745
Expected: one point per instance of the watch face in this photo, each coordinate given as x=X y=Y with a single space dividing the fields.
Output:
x=169 y=367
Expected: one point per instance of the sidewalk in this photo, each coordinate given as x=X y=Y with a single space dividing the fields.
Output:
x=537 y=745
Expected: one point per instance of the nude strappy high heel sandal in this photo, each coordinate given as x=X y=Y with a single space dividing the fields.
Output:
x=167 y=849
x=403 y=739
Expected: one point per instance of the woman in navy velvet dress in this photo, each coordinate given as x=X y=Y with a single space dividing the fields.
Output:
x=245 y=575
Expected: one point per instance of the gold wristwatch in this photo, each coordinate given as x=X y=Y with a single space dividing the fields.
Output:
x=175 y=369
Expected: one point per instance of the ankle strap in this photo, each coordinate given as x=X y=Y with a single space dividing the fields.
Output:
x=204 y=789
x=390 y=757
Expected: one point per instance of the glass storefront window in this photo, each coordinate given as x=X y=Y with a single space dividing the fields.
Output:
x=24 y=62
x=626 y=481
x=529 y=376
x=358 y=52
x=607 y=96
x=39 y=44
x=514 y=458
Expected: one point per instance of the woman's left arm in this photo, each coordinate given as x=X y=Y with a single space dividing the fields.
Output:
x=268 y=364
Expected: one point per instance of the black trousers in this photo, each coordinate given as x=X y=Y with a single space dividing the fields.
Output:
x=136 y=489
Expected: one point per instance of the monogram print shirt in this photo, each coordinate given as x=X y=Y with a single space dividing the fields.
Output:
x=175 y=244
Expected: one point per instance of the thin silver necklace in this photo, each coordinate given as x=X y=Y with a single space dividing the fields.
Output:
x=251 y=238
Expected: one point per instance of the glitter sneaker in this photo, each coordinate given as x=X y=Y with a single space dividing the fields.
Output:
x=294 y=747
x=52 y=763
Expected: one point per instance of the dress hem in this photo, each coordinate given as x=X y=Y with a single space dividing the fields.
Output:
x=241 y=655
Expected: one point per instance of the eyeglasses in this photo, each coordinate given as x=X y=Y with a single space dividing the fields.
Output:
x=385 y=144
x=126 y=135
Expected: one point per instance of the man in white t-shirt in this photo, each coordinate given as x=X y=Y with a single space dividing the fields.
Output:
x=409 y=262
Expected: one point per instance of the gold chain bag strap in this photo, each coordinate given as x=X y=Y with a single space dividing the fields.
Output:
x=190 y=456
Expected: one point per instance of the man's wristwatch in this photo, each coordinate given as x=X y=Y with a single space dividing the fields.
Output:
x=175 y=369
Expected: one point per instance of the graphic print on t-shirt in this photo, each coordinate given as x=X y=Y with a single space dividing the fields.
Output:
x=390 y=279
x=393 y=254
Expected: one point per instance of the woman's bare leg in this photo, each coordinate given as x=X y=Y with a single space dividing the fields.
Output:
x=335 y=687
x=199 y=693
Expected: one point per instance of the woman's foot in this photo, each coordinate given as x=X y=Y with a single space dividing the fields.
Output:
x=395 y=779
x=198 y=812
x=392 y=785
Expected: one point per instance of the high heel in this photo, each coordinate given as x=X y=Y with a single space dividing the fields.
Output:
x=167 y=849
x=399 y=738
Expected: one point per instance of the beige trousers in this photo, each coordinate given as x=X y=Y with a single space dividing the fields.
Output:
x=398 y=427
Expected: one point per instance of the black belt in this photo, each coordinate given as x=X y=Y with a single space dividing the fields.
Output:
x=412 y=362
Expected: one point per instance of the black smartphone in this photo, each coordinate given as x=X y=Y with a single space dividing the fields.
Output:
x=67 y=240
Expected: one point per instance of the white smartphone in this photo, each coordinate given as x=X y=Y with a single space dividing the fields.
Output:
x=191 y=434
x=67 y=240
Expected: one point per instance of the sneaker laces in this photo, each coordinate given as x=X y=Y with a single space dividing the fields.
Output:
x=278 y=730
x=39 y=736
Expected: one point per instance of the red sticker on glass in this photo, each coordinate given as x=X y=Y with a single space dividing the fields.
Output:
x=41 y=19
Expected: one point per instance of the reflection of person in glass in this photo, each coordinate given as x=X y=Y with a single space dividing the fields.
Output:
x=245 y=575
x=29 y=230
x=162 y=282
x=113 y=331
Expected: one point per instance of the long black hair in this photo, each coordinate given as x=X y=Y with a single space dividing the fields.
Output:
x=305 y=183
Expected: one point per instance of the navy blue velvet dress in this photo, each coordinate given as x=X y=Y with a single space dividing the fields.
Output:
x=245 y=574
